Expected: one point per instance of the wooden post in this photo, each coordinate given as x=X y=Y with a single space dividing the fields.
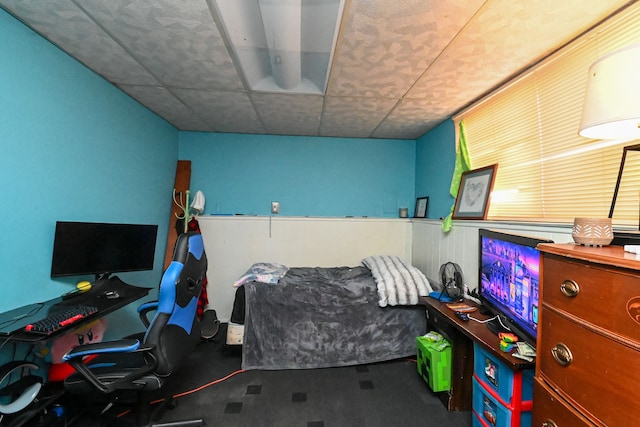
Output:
x=181 y=185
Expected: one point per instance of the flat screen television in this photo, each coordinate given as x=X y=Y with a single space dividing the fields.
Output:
x=82 y=248
x=509 y=279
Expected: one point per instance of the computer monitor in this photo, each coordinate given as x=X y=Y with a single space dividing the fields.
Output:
x=82 y=248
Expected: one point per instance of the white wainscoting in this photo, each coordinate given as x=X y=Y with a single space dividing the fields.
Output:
x=234 y=243
x=432 y=247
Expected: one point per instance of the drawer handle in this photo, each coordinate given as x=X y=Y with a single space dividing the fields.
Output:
x=549 y=423
x=569 y=288
x=562 y=354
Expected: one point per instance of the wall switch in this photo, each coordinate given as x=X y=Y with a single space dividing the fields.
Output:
x=275 y=207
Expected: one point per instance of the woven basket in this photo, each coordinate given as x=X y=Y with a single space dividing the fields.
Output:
x=592 y=231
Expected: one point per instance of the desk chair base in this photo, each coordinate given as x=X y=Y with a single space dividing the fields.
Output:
x=159 y=411
x=180 y=424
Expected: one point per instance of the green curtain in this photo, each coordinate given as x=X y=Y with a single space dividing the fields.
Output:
x=463 y=164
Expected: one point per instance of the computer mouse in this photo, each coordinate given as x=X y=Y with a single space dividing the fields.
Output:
x=111 y=294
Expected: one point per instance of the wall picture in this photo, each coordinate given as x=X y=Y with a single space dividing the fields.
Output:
x=473 y=195
x=421 y=207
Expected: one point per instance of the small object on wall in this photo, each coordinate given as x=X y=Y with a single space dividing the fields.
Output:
x=403 y=212
x=592 y=231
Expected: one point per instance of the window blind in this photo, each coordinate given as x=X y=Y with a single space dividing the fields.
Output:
x=546 y=171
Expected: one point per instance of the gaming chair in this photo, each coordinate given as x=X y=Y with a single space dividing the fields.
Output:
x=146 y=363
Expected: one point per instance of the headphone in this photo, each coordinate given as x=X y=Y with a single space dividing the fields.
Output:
x=26 y=388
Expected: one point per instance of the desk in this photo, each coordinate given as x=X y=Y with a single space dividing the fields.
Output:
x=12 y=325
x=12 y=322
x=462 y=335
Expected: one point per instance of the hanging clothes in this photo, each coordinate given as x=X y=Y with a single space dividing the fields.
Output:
x=463 y=164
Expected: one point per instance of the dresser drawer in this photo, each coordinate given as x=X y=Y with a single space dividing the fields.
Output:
x=551 y=411
x=604 y=297
x=602 y=375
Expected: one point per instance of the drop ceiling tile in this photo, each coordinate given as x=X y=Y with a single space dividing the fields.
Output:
x=224 y=111
x=166 y=105
x=410 y=119
x=437 y=56
x=490 y=50
x=66 y=25
x=352 y=116
x=284 y=114
x=177 y=41
x=387 y=45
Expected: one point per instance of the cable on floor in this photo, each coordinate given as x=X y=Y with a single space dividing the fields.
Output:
x=188 y=392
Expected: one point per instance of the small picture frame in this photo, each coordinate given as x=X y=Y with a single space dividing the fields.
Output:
x=421 y=207
x=473 y=195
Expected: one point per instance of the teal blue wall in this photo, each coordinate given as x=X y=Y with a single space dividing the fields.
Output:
x=73 y=148
x=242 y=174
x=435 y=161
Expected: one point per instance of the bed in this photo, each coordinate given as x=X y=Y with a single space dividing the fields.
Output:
x=316 y=317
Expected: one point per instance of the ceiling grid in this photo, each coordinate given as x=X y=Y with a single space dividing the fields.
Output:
x=399 y=67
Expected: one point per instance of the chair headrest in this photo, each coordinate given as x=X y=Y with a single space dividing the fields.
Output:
x=190 y=242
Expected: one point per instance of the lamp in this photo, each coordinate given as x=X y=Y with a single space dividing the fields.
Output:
x=615 y=192
x=281 y=45
x=612 y=111
x=612 y=104
x=621 y=238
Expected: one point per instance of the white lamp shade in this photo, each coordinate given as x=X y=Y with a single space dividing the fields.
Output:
x=612 y=103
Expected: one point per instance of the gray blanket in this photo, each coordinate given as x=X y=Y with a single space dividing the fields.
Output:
x=325 y=317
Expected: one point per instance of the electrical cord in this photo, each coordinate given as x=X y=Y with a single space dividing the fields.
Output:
x=489 y=320
x=188 y=392
x=202 y=387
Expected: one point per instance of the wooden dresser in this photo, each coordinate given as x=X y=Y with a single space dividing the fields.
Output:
x=588 y=367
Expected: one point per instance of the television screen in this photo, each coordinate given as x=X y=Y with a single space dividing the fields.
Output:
x=81 y=248
x=509 y=279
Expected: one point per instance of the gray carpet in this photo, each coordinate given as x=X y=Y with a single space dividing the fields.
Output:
x=375 y=395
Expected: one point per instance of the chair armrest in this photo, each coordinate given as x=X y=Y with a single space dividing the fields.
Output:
x=118 y=346
x=145 y=309
x=76 y=355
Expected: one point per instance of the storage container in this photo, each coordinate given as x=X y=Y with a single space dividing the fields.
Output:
x=434 y=363
x=489 y=412
x=510 y=385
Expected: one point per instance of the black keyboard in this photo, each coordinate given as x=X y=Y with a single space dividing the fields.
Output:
x=59 y=320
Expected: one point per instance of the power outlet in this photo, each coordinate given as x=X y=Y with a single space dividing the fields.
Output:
x=275 y=208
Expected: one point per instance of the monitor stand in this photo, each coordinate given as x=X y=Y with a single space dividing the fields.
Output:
x=496 y=327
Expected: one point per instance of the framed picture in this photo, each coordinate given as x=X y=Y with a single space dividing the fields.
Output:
x=421 y=207
x=473 y=195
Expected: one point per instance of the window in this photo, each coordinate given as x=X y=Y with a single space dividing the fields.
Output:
x=546 y=171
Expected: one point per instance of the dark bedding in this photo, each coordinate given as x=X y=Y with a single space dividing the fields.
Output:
x=324 y=317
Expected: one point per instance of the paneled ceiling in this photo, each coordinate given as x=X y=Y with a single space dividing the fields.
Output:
x=400 y=67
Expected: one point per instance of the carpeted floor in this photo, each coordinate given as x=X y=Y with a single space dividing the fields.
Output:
x=383 y=394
